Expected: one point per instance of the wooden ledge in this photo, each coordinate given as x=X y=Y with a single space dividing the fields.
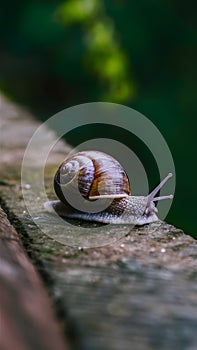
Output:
x=138 y=292
x=27 y=319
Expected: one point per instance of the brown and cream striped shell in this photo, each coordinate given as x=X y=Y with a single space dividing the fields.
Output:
x=94 y=174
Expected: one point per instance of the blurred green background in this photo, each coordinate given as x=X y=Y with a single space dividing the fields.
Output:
x=55 y=54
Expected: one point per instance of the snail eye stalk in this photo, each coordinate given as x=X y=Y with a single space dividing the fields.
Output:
x=151 y=197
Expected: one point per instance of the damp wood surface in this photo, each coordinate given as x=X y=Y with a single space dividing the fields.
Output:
x=27 y=319
x=133 y=288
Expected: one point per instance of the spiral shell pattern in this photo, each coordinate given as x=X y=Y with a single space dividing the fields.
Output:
x=94 y=174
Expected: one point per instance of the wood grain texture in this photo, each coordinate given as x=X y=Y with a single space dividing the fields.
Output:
x=133 y=289
x=26 y=319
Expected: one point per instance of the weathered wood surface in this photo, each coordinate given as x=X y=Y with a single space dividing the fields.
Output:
x=26 y=317
x=138 y=292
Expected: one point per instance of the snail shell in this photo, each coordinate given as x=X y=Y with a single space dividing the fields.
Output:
x=97 y=175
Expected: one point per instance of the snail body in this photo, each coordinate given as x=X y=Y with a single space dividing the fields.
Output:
x=94 y=175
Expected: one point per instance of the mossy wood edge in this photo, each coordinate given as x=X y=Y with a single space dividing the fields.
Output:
x=139 y=291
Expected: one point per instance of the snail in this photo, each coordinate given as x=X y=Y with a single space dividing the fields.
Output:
x=97 y=175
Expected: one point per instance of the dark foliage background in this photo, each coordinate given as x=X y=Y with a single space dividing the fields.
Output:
x=55 y=54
